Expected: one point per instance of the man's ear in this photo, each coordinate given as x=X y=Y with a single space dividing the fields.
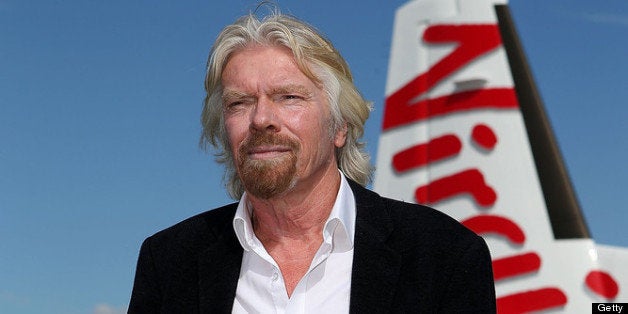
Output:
x=341 y=135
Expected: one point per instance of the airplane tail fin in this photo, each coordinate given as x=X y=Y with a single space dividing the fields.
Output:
x=464 y=130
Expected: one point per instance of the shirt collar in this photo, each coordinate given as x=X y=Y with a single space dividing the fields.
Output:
x=339 y=228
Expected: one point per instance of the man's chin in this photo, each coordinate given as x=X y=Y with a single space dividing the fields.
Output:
x=268 y=189
x=268 y=178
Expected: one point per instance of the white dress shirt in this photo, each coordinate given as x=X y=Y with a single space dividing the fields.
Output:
x=326 y=286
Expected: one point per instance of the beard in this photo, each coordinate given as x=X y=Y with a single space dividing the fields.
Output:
x=271 y=177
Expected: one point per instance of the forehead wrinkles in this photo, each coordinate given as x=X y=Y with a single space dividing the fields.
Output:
x=266 y=61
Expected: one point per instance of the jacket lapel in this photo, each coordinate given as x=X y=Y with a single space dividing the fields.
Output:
x=218 y=272
x=376 y=266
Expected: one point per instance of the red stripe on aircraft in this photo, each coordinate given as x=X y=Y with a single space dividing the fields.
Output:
x=420 y=155
x=529 y=301
x=602 y=284
x=490 y=98
x=484 y=136
x=466 y=182
x=516 y=265
x=502 y=226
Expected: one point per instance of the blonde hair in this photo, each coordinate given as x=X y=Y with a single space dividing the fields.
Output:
x=317 y=59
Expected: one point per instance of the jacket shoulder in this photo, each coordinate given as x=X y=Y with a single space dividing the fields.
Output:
x=169 y=261
x=410 y=222
x=197 y=231
x=411 y=215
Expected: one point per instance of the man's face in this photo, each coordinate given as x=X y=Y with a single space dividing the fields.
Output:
x=278 y=122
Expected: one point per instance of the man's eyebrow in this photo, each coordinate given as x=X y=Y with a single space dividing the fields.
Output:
x=229 y=94
x=232 y=94
x=291 y=88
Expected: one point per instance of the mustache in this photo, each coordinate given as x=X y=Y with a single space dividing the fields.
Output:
x=265 y=138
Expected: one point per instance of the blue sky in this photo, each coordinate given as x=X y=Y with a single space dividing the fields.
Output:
x=99 y=125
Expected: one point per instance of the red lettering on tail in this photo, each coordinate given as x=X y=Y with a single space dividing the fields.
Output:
x=484 y=136
x=602 y=284
x=423 y=154
x=410 y=104
x=529 y=301
x=512 y=266
x=465 y=182
x=402 y=106
x=502 y=226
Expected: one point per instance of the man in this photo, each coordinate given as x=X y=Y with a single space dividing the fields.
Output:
x=305 y=236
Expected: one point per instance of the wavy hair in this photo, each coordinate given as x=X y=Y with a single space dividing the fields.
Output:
x=317 y=58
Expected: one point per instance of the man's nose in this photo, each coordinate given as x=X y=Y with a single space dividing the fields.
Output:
x=264 y=116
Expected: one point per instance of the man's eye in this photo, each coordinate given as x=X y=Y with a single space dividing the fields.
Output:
x=234 y=104
x=292 y=97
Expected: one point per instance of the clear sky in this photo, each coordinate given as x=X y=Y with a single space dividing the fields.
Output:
x=99 y=125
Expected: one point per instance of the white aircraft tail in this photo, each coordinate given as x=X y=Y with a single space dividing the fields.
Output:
x=464 y=130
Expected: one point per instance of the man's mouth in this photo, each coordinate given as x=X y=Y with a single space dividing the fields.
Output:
x=268 y=151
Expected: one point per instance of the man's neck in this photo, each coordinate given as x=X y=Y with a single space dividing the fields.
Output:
x=290 y=226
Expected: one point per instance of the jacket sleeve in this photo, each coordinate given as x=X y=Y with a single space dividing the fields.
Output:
x=146 y=295
x=471 y=288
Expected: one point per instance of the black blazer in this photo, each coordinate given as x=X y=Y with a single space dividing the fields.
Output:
x=407 y=258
